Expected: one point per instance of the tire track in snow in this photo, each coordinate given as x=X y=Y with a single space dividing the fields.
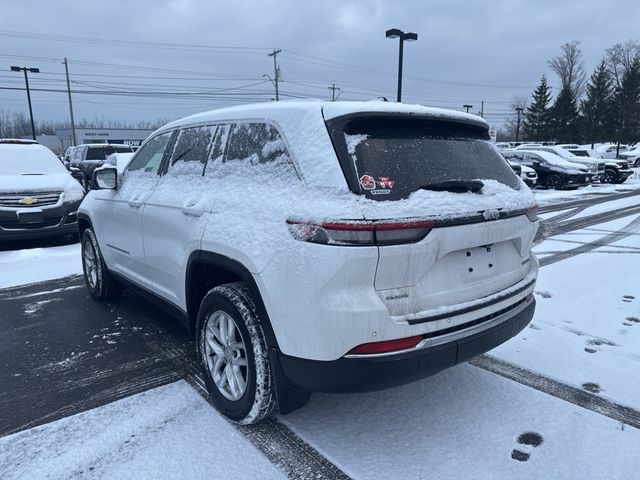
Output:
x=629 y=229
x=576 y=396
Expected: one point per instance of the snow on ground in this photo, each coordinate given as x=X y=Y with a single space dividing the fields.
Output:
x=165 y=433
x=19 y=267
x=574 y=239
x=464 y=423
x=587 y=323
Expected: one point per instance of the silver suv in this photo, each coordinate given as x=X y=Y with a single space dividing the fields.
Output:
x=312 y=246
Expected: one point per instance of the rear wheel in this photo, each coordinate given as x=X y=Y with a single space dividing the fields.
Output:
x=100 y=283
x=554 y=181
x=234 y=355
x=609 y=176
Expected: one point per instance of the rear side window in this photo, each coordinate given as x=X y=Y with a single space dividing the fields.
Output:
x=257 y=143
x=191 y=148
x=149 y=157
x=102 y=152
x=392 y=157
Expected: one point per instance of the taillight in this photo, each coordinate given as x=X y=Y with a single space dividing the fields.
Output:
x=360 y=232
x=532 y=212
x=386 y=346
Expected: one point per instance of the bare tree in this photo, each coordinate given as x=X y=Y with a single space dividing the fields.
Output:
x=570 y=67
x=619 y=57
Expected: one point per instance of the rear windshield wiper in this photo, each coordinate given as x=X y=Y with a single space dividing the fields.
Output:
x=455 y=186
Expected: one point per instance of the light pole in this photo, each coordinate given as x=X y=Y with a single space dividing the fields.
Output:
x=26 y=81
x=467 y=107
x=404 y=37
x=519 y=111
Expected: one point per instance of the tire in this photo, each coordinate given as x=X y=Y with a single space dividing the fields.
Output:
x=609 y=176
x=554 y=181
x=100 y=283
x=637 y=164
x=243 y=392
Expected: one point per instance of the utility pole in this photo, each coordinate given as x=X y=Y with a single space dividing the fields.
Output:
x=467 y=107
x=519 y=110
x=73 y=123
x=482 y=108
x=276 y=70
x=26 y=81
x=333 y=89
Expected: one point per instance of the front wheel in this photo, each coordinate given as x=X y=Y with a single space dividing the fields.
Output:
x=609 y=176
x=234 y=355
x=554 y=181
x=99 y=282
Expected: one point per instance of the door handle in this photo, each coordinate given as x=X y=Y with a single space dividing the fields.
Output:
x=192 y=210
x=134 y=203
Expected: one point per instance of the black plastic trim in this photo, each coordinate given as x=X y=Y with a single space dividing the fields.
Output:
x=220 y=261
x=154 y=298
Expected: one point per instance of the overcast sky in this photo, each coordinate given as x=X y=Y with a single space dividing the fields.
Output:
x=467 y=51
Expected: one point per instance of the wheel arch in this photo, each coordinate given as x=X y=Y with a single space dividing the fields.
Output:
x=207 y=270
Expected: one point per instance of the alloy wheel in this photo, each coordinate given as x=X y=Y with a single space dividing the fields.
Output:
x=90 y=263
x=226 y=355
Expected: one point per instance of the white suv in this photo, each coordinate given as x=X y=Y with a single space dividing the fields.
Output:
x=314 y=246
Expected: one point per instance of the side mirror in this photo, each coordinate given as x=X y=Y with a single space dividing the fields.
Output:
x=105 y=178
x=536 y=163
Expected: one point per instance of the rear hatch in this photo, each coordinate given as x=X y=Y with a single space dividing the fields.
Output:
x=415 y=167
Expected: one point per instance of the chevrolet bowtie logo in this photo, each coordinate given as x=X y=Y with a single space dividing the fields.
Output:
x=28 y=201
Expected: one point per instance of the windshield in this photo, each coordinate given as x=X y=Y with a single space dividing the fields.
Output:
x=392 y=157
x=102 y=152
x=29 y=160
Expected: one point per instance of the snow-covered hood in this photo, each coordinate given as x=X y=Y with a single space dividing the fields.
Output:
x=62 y=182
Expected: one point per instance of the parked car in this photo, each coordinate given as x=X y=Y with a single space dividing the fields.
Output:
x=616 y=171
x=528 y=175
x=38 y=196
x=632 y=156
x=596 y=167
x=119 y=160
x=611 y=150
x=319 y=246
x=88 y=157
x=553 y=171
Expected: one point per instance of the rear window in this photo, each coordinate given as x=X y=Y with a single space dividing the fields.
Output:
x=389 y=158
x=101 y=153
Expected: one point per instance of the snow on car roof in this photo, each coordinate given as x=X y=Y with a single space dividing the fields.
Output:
x=279 y=110
x=553 y=158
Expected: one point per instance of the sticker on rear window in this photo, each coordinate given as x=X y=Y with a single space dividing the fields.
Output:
x=368 y=182
x=385 y=182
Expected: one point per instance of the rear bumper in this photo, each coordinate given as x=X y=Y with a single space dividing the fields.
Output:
x=375 y=373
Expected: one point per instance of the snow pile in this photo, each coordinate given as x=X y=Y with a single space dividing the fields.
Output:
x=19 y=267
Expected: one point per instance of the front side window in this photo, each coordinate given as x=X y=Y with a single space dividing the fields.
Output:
x=149 y=157
x=190 y=152
x=392 y=157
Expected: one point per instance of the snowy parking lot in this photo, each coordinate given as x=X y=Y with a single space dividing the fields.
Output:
x=112 y=390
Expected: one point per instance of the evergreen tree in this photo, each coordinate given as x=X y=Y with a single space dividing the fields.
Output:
x=597 y=109
x=536 y=117
x=564 y=116
x=627 y=104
